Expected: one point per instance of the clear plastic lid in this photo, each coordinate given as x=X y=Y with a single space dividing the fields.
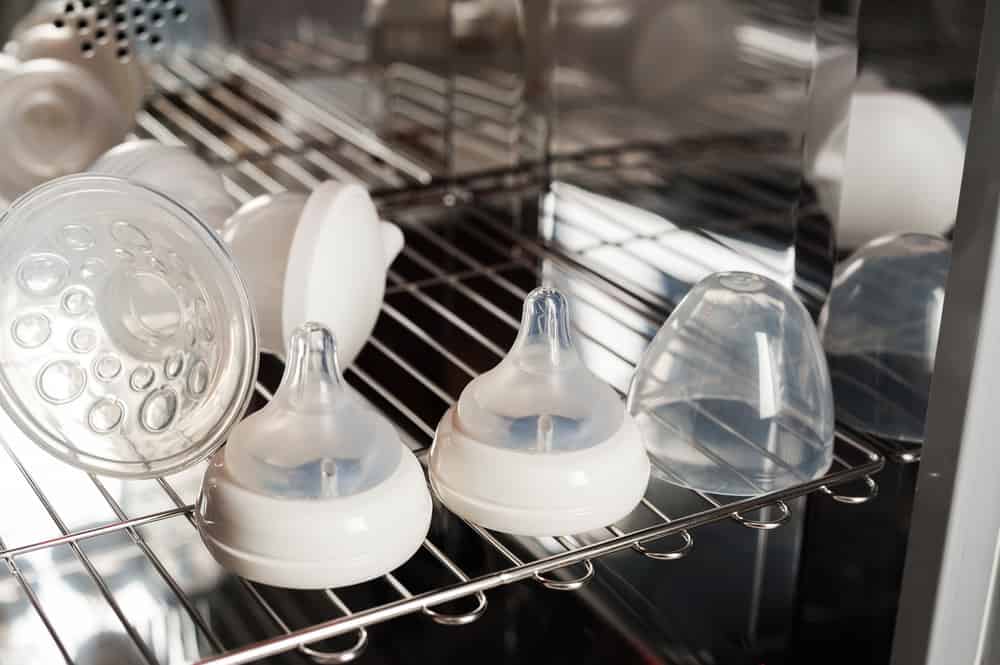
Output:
x=174 y=171
x=880 y=331
x=733 y=395
x=313 y=440
x=128 y=343
x=260 y=236
x=540 y=398
x=55 y=119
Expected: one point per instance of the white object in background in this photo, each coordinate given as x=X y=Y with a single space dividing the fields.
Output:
x=314 y=490
x=259 y=235
x=902 y=171
x=174 y=171
x=55 y=118
x=337 y=265
x=539 y=446
x=125 y=80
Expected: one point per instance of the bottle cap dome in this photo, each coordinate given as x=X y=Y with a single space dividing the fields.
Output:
x=733 y=395
x=880 y=331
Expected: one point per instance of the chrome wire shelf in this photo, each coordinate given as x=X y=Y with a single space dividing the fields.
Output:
x=451 y=310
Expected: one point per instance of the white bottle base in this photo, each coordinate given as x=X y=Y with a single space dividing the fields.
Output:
x=314 y=543
x=534 y=494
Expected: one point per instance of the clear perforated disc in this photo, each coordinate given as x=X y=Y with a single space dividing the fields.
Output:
x=127 y=341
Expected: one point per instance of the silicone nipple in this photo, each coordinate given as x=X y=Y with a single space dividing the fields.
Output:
x=540 y=398
x=313 y=440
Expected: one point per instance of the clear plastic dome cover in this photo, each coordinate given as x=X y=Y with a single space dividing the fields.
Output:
x=880 y=331
x=127 y=341
x=313 y=440
x=733 y=395
x=540 y=398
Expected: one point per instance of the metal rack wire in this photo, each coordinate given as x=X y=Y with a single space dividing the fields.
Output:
x=451 y=309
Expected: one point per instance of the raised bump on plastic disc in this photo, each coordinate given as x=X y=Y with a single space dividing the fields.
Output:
x=540 y=398
x=330 y=445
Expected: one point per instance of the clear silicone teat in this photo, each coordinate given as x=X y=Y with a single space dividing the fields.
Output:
x=313 y=440
x=880 y=331
x=128 y=343
x=540 y=398
x=733 y=395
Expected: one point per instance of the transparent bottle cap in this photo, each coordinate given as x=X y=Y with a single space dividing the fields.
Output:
x=880 y=331
x=313 y=440
x=127 y=341
x=733 y=395
x=174 y=171
x=540 y=398
x=55 y=119
x=260 y=236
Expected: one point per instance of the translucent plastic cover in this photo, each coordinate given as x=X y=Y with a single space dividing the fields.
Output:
x=880 y=330
x=313 y=440
x=733 y=395
x=128 y=342
x=540 y=398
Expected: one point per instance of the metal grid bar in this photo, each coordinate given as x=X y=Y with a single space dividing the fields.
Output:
x=193 y=99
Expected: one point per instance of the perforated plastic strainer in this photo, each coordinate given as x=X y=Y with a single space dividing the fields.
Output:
x=149 y=28
x=127 y=342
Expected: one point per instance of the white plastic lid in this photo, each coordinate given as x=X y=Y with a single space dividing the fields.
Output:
x=339 y=240
x=313 y=440
x=174 y=171
x=259 y=235
x=880 y=331
x=128 y=343
x=540 y=398
x=733 y=395
x=55 y=119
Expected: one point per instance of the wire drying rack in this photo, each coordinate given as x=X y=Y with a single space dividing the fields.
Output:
x=451 y=310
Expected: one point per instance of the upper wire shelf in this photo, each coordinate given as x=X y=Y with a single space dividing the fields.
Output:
x=451 y=310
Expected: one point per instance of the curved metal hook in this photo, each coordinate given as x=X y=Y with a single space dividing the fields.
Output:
x=854 y=500
x=567 y=585
x=671 y=555
x=341 y=656
x=765 y=525
x=446 y=619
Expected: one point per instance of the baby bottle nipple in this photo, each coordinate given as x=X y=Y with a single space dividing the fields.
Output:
x=330 y=445
x=539 y=445
x=314 y=457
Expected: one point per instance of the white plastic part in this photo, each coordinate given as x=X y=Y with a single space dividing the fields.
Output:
x=337 y=265
x=902 y=171
x=126 y=81
x=174 y=171
x=538 y=445
x=55 y=119
x=260 y=236
x=314 y=490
